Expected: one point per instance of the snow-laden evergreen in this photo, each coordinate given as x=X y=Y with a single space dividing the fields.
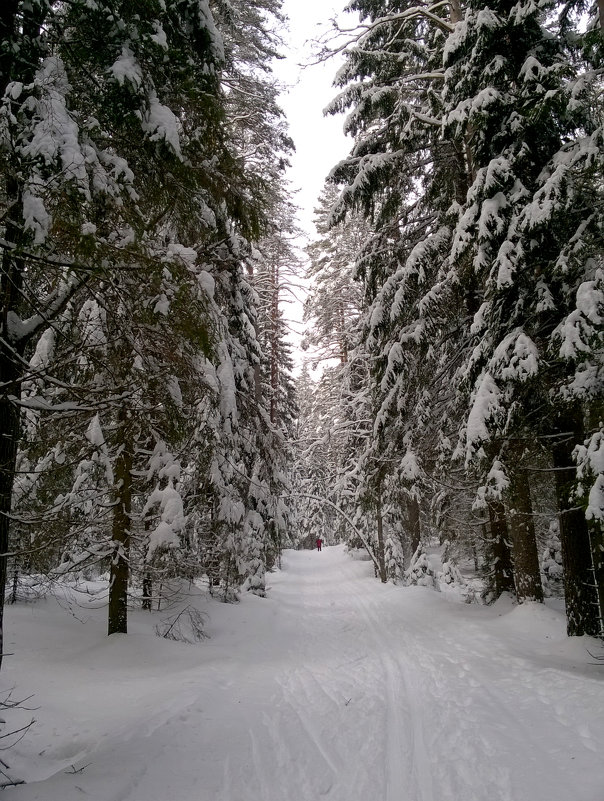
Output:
x=131 y=333
x=477 y=161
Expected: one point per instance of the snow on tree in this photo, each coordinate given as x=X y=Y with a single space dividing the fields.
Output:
x=134 y=191
x=476 y=152
x=523 y=234
x=419 y=571
x=334 y=302
x=551 y=562
x=398 y=168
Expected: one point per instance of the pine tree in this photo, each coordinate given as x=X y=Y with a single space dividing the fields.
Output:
x=334 y=301
x=336 y=423
x=523 y=231
x=397 y=171
x=476 y=154
x=130 y=160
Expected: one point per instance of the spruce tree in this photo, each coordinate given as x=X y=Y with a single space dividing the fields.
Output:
x=523 y=234
x=130 y=163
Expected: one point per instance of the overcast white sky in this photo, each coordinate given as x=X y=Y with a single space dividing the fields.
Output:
x=319 y=140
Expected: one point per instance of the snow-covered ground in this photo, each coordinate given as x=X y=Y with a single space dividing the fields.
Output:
x=334 y=687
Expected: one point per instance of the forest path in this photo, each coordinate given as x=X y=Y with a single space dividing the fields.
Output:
x=340 y=688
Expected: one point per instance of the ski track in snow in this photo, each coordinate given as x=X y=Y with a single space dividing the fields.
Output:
x=335 y=687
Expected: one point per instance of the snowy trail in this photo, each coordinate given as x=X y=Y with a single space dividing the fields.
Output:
x=334 y=687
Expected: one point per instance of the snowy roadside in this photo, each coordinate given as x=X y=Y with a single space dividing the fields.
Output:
x=333 y=686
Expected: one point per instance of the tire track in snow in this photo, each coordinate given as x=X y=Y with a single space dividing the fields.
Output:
x=300 y=773
x=482 y=719
x=404 y=737
x=261 y=769
x=331 y=704
x=472 y=725
x=300 y=679
x=405 y=761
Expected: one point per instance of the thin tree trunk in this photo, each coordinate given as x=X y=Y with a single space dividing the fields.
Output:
x=527 y=576
x=584 y=612
x=8 y=33
x=19 y=58
x=414 y=534
x=502 y=556
x=147 y=576
x=455 y=11
x=9 y=438
x=13 y=596
x=597 y=555
x=147 y=589
x=381 y=557
x=257 y=371
x=119 y=573
x=343 y=339
x=10 y=375
x=274 y=366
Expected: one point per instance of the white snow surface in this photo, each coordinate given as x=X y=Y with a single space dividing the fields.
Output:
x=334 y=687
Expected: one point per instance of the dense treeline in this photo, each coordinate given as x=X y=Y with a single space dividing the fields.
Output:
x=143 y=425
x=147 y=413
x=467 y=401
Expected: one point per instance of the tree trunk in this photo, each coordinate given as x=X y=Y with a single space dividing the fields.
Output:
x=502 y=556
x=381 y=557
x=19 y=57
x=147 y=590
x=10 y=375
x=584 y=612
x=342 y=336
x=597 y=554
x=119 y=573
x=14 y=593
x=455 y=11
x=9 y=439
x=274 y=365
x=147 y=575
x=414 y=533
x=527 y=576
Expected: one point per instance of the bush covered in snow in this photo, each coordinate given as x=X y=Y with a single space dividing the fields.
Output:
x=449 y=579
x=419 y=571
x=394 y=557
x=186 y=626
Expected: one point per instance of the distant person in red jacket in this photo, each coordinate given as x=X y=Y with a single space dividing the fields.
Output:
x=319 y=543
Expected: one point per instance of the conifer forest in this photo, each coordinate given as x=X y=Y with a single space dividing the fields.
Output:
x=164 y=425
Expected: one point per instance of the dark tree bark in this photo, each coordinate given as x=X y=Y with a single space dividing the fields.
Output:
x=19 y=57
x=8 y=33
x=584 y=612
x=527 y=576
x=502 y=556
x=274 y=347
x=381 y=556
x=9 y=438
x=414 y=533
x=11 y=351
x=147 y=575
x=120 y=563
x=341 y=313
x=597 y=555
x=147 y=590
x=12 y=270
